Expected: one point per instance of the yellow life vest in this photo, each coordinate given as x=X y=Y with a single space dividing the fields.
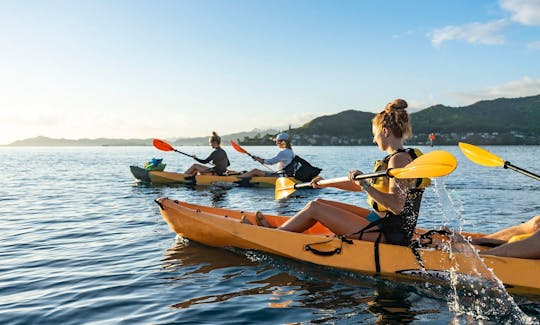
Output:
x=382 y=183
x=520 y=237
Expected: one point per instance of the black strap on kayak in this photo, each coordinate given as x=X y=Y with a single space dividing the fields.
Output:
x=364 y=230
x=424 y=240
x=328 y=253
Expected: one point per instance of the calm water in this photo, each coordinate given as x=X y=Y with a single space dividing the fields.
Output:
x=82 y=242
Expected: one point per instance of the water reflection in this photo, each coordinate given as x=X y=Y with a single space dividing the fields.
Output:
x=394 y=306
x=216 y=193
x=284 y=284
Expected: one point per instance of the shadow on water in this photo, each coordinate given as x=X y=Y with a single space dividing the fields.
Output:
x=277 y=284
x=217 y=193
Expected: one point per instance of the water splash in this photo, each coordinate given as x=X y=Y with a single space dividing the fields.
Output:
x=481 y=296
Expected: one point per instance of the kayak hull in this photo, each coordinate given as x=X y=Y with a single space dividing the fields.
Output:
x=222 y=228
x=163 y=177
x=140 y=174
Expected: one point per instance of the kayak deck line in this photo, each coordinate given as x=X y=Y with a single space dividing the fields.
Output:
x=220 y=227
x=164 y=177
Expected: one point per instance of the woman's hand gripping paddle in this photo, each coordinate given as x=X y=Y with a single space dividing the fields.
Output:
x=237 y=147
x=486 y=158
x=433 y=164
x=164 y=146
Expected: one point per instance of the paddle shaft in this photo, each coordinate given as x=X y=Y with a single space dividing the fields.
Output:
x=242 y=150
x=184 y=153
x=270 y=169
x=508 y=165
x=339 y=180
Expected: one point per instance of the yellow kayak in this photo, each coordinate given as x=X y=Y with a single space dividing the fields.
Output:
x=221 y=227
x=163 y=177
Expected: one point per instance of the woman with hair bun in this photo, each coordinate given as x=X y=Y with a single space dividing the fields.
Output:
x=394 y=202
x=218 y=157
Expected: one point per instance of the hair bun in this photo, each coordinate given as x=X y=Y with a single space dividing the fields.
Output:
x=396 y=105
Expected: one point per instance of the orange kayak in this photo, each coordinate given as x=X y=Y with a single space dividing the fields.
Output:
x=221 y=227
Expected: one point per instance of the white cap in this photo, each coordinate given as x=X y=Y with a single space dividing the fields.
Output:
x=282 y=137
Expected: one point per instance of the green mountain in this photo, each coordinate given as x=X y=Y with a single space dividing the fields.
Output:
x=499 y=121
x=499 y=115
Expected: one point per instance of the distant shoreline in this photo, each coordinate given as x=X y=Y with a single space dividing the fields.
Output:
x=248 y=145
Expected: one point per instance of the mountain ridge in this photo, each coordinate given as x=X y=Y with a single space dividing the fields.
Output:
x=498 y=121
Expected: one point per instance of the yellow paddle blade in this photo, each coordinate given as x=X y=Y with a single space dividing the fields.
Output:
x=284 y=188
x=480 y=156
x=433 y=164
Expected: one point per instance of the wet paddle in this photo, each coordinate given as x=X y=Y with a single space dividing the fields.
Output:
x=164 y=146
x=486 y=158
x=433 y=164
x=237 y=147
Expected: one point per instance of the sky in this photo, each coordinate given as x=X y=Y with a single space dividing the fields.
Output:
x=142 y=69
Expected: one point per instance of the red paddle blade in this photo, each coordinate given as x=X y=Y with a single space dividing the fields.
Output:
x=162 y=145
x=237 y=147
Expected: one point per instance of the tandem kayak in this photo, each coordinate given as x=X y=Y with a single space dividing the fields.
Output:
x=163 y=177
x=219 y=227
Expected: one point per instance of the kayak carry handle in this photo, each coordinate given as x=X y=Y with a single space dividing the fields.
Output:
x=336 y=250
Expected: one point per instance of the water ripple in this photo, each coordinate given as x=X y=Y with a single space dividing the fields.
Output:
x=82 y=242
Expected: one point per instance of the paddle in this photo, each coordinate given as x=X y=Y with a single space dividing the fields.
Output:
x=237 y=147
x=486 y=158
x=164 y=146
x=433 y=164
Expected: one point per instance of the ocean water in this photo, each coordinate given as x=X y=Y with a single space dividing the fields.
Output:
x=83 y=242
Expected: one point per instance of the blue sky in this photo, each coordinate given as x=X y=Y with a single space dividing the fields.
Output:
x=138 y=69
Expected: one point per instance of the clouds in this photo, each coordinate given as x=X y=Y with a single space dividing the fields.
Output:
x=517 y=88
x=523 y=12
x=474 y=33
x=534 y=45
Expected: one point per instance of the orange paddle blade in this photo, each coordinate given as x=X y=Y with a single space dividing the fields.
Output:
x=237 y=147
x=162 y=145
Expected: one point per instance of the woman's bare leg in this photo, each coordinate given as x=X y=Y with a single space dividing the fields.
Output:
x=348 y=207
x=526 y=248
x=338 y=220
x=196 y=169
x=528 y=227
x=253 y=172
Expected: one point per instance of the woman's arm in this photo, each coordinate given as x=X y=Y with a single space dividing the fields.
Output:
x=282 y=155
x=394 y=200
x=207 y=160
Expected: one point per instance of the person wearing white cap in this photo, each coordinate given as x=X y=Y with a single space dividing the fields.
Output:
x=283 y=158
